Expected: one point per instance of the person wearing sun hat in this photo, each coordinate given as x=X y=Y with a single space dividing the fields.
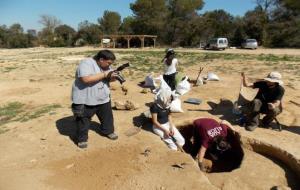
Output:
x=267 y=101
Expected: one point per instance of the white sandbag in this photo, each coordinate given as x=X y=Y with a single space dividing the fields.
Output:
x=183 y=87
x=199 y=82
x=149 y=81
x=212 y=77
x=176 y=106
x=162 y=85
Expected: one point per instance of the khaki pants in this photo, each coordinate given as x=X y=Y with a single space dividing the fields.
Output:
x=255 y=108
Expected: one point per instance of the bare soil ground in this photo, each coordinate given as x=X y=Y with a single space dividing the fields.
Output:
x=37 y=127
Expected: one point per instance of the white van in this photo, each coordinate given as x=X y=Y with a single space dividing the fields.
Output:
x=217 y=43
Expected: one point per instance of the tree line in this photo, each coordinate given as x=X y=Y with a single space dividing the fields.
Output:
x=273 y=23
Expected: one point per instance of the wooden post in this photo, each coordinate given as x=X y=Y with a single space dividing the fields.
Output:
x=114 y=42
x=154 y=39
x=101 y=43
x=142 y=42
x=128 y=42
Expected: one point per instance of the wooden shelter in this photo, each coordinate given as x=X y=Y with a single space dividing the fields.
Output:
x=115 y=37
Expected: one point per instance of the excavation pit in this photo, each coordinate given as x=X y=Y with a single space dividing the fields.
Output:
x=250 y=164
x=227 y=162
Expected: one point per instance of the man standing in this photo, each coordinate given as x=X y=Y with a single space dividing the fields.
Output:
x=267 y=101
x=211 y=135
x=91 y=95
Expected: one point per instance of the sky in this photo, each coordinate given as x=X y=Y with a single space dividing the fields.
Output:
x=72 y=12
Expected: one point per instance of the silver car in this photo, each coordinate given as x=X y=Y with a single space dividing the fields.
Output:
x=249 y=44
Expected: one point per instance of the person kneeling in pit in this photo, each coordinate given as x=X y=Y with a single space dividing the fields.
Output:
x=210 y=136
x=162 y=122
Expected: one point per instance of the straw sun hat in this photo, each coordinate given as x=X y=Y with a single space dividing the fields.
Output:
x=274 y=77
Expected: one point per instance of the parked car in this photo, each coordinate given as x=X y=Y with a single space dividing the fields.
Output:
x=249 y=44
x=217 y=43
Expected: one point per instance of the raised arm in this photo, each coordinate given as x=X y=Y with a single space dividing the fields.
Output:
x=245 y=81
x=99 y=76
x=94 y=78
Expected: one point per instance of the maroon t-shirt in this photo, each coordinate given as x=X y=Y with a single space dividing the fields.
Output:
x=207 y=129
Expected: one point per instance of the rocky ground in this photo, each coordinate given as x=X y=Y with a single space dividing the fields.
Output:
x=36 y=124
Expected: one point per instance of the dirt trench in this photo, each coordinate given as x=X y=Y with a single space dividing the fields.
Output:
x=251 y=163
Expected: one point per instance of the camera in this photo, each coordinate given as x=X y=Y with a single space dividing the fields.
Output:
x=119 y=76
x=120 y=68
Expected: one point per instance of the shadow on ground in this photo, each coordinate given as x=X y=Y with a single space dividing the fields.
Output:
x=143 y=122
x=292 y=129
x=223 y=109
x=67 y=126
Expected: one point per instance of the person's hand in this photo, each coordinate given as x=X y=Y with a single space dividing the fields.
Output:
x=111 y=75
x=201 y=166
x=166 y=134
x=171 y=131
x=243 y=74
x=271 y=106
x=114 y=75
x=108 y=74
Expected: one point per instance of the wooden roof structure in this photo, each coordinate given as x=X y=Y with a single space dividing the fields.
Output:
x=115 y=37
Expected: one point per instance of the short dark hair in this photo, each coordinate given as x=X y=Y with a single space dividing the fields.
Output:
x=170 y=53
x=105 y=54
x=221 y=143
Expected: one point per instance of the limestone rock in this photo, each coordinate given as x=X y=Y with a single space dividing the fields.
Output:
x=128 y=105
x=131 y=106
x=124 y=90
x=145 y=91
x=119 y=105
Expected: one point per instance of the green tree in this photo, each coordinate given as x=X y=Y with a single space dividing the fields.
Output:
x=283 y=29
x=110 y=22
x=149 y=16
x=182 y=13
x=254 y=22
x=16 y=38
x=291 y=4
x=126 y=26
x=3 y=36
x=216 y=23
x=239 y=33
x=66 y=34
x=47 y=36
x=88 y=33
x=220 y=22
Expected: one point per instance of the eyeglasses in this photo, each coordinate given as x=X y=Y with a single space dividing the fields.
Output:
x=109 y=61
